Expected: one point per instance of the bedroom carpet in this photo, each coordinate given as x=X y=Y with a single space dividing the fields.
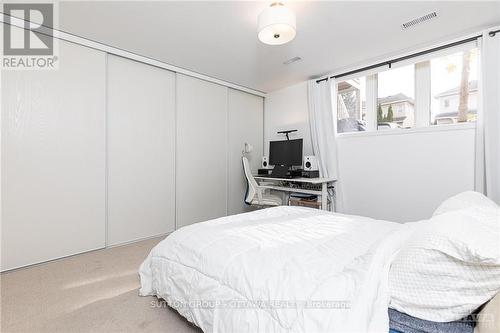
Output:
x=91 y=292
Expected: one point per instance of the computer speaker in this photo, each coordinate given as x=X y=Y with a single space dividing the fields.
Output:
x=265 y=162
x=310 y=163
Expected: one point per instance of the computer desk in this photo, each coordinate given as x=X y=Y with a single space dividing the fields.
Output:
x=325 y=182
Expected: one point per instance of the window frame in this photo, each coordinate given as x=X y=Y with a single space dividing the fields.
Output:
x=422 y=86
x=403 y=131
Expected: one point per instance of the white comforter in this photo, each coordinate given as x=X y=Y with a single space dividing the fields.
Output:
x=283 y=269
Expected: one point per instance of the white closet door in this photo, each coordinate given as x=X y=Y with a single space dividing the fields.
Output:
x=201 y=150
x=53 y=159
x=245 y=124
x=141 y=150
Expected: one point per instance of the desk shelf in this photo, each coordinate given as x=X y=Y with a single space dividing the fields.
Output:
x=291 y=189
x=322 y=193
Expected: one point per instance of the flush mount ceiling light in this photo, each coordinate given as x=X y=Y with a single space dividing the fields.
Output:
x=276 y=25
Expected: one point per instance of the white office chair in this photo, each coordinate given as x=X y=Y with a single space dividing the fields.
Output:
x=256 y=194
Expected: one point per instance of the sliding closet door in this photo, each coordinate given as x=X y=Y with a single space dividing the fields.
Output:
x=201 y=150
x=53 y=158
x=141 y=150
x=245 y=125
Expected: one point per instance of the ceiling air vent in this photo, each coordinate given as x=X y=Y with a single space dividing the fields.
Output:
x=291 y=61
x=419 y=20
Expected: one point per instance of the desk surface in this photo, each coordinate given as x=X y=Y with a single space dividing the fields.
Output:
x=297 y=180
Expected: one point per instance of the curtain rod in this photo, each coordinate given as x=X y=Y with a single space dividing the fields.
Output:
x=493 y=33
x=390 y=62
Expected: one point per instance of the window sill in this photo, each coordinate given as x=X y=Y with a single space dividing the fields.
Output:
x=433 y=128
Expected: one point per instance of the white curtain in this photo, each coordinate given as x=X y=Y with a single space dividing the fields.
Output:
x=488 y=122
x=322 y=123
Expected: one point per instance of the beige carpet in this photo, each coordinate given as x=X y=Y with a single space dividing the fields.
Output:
x=91 y=292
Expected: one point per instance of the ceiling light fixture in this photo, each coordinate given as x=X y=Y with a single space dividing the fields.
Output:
x=277 y=25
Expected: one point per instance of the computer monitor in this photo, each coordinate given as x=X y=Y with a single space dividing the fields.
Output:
x=286 y=152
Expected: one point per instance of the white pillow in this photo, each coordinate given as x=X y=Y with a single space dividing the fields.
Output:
x=450 y=267
x=464 y=200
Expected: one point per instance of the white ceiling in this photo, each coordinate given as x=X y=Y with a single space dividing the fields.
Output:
x=219 y=39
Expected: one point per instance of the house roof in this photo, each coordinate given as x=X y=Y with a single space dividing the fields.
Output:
x=453 y=114
x=455 y=91
x=395 y=98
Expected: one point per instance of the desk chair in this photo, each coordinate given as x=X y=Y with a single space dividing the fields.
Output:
x=256 y=194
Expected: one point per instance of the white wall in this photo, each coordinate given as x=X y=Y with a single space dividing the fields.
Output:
x=404 y=177
x=287 y=109
x=398 y=177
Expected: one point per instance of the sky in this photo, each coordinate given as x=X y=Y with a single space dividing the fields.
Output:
x=446 y=72
x=397 y=80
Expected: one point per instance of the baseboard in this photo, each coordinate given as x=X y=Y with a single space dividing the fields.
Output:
x=51 y=260
x=138 y=240
x=83 y=252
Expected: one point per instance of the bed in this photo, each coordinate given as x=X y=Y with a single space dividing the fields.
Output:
x=325 y=266
x=282 y=269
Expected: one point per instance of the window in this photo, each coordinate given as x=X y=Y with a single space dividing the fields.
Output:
x=351 y=105
x=454 y=93
x=396 y=98
x=435 y=89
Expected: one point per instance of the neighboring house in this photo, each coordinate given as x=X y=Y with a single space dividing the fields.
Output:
x=448 y=104
x=403 y=108
x=351 y=108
